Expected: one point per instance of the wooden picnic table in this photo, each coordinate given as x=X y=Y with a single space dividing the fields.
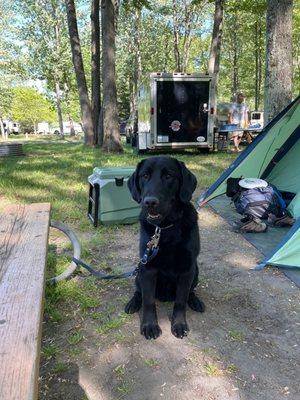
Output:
x=23 y=250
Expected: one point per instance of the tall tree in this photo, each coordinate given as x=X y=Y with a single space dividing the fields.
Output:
x=216 y=40
x=279 y=63
x=96 y=70
x=85 y=105
x=185 y=21
x=258 y=30
x=215 y=49
x=111 y=134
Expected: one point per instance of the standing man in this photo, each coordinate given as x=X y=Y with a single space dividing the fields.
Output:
x=239 y=115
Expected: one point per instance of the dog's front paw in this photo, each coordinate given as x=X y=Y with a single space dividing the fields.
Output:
x=180 y=329
x=134 y=304
x=195 y=303
x=150 y=330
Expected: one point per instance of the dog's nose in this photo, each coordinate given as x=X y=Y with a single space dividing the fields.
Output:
x=151 y=202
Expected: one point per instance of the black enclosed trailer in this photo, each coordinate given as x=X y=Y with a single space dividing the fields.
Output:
x=175 y=111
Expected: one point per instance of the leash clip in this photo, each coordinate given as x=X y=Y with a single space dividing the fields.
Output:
x=154 y=241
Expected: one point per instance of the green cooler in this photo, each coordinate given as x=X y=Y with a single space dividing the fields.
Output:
x=110 y=201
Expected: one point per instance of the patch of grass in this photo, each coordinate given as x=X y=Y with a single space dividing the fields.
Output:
x=90 y=283
x=75 y=352
x=49 y=351
x=232 y=369
x=75 y=338
x=231 y=294
x=59 y=368
x=96 y=315
x=124 y=388
x=119 y=370
x=87 y=302
x=119 y=337
x=71 y=292
x=235 y=335
x=208 y=350
x=151 y=362
x=52 y=313
x=211 y=369
x=112 y=323
x=57 y=172
x=55 y=264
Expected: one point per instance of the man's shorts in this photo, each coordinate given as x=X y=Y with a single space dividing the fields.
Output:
x=236 y=134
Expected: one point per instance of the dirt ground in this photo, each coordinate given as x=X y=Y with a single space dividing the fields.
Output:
x=245 y=346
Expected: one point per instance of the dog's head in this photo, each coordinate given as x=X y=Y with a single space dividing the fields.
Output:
x=160 y=184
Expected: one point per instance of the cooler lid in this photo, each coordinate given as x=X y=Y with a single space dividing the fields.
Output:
x=113 y=172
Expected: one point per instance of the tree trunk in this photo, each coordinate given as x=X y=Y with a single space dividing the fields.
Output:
x=260 y=65
x=95 y=68
x=215 y=50
x=71 y=122
x=111 y=133
x=256 y=65
x=176 y=38
x=58 y=108
x=235 y=60
x=279 y=65
x=258 y=61
x=216 y=40
x=85 y=105
x=56 y=74
x=138 y=65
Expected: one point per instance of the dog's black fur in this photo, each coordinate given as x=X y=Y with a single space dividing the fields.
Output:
x=164 y=187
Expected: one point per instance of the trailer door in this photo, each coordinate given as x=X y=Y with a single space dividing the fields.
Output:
x=182 y=111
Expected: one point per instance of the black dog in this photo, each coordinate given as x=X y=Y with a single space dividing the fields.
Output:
x=164 y=187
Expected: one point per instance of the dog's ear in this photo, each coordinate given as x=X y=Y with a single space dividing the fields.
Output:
x=188 y=183
x=133 y=183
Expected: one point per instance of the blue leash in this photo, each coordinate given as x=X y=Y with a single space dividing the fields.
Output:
x=150 y=252
x=102 y=275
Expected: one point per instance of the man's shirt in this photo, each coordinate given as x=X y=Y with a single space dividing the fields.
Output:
x=239 y=114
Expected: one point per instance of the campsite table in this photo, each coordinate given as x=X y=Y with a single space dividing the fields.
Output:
x=244 y=130
x=223 y=133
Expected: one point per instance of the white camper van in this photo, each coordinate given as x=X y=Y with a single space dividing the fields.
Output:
x=175 y=112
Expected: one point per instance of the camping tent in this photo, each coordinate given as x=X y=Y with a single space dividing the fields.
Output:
x=274 y=155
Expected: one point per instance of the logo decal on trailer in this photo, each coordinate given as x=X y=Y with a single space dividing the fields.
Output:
x=175 y=125
x=200 y=139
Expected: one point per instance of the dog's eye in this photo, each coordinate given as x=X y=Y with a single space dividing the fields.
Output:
x=145 y=176
x=168 y=176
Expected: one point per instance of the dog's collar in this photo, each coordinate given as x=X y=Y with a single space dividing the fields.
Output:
x=161 y=228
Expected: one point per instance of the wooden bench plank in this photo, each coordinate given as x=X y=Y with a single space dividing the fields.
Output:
x=23 y=250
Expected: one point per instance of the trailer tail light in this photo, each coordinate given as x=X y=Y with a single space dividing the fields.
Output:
x=152 y=111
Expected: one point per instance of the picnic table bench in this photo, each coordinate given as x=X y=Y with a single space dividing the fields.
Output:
x=23 y=250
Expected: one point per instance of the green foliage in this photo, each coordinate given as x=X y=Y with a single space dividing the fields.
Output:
x=28 y=106
x=38 y=55
x=244 y=35
x=43 y=29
